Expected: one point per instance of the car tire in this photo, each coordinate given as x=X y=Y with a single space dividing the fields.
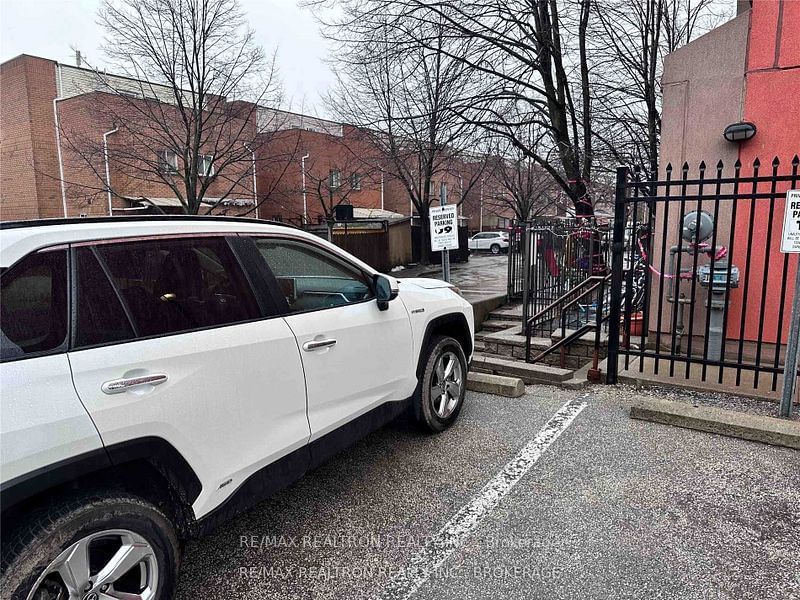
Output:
x=435 y=412
x=495 y=249
x=103 y=524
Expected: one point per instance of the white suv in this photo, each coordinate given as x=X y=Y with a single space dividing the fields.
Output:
x=161 y=374
x=494 y=241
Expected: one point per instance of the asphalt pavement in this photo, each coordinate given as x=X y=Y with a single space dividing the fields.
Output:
x=608 y=508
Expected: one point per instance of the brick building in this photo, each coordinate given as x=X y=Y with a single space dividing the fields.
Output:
x=61 y=155
x=67 y=142
x=323 y=164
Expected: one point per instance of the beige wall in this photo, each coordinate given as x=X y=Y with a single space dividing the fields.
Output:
x=703 y=93
x=704 y=84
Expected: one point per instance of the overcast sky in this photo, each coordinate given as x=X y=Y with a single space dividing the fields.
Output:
x=50 y=28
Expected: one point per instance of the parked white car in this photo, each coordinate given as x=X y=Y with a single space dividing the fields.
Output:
x=493 y=241
x=161 y=374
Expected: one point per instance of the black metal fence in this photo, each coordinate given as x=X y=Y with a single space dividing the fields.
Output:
x=699 y=288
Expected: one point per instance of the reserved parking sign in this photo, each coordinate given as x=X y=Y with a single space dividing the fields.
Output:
x=444 y=227
x=790 y=239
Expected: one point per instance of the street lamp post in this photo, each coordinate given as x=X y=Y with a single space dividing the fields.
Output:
x=305 y=201
x=480 y=227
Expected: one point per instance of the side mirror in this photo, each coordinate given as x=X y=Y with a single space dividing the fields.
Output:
x=384 y=292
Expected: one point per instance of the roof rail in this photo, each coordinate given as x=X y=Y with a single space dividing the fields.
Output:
x=79 y=220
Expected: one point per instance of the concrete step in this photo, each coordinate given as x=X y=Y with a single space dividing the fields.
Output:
x=513 y=314
x=493 y=325
x=479 y=346
x=481 y=336
x=510 y=387
x=529 y=373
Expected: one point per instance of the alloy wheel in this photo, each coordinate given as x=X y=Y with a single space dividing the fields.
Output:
x=113 y=564
x=446 y=384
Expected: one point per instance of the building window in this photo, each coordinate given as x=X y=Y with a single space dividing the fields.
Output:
x=167 y=161
x=335 y=179
x=432 y=188
x=355 y=181
x=205 y=165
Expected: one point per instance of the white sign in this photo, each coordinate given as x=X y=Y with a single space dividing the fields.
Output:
x=444 y=227
x=790 y=240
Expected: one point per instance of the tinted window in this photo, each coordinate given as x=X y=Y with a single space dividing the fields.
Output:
x=311 y=279
x=33 y=305
x=174 y=285
x=101 y=318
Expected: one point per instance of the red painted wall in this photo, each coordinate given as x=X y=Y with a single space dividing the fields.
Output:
x=772 y=102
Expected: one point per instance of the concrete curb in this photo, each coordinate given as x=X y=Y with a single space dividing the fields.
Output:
x=768 y=430
x=510 y=387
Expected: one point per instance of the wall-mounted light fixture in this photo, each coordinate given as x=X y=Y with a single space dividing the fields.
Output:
x=738 y=132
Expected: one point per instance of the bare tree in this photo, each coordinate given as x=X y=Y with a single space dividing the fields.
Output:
x=408 y=100
x=531 y=57
x=185 y=100
x=630 y=39
x=525 y=188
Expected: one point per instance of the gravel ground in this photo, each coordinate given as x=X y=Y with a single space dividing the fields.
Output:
x=615 y=508
x=718 y=400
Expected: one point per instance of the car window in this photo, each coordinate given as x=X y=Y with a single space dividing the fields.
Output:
x=312 y=279
x=101 y=318
x=33 y=310
x=173 y=285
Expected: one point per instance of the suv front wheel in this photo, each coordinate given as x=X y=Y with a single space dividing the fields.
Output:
x=440 y=393
x=112 y=546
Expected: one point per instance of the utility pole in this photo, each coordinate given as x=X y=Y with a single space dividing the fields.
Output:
x=790 y=243
x=792 y=350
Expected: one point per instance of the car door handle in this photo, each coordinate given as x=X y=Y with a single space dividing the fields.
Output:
x=317 y=344
x=117 y=386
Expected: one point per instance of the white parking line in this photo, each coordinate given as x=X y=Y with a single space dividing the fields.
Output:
x=450 y=537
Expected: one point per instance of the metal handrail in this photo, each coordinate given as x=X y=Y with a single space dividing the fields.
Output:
x=597 y=282
x=562 y=298
x=600 y=282
x=563 y=341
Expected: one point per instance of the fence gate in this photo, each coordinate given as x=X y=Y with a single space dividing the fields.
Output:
x=699 y=288
x=516 y=259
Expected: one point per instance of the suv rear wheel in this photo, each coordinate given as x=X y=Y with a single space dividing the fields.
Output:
x=441 y=391
x=495 y=248
x=113 y=546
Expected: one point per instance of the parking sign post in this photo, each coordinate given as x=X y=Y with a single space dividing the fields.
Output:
x=445 y=252
x=790 y=242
